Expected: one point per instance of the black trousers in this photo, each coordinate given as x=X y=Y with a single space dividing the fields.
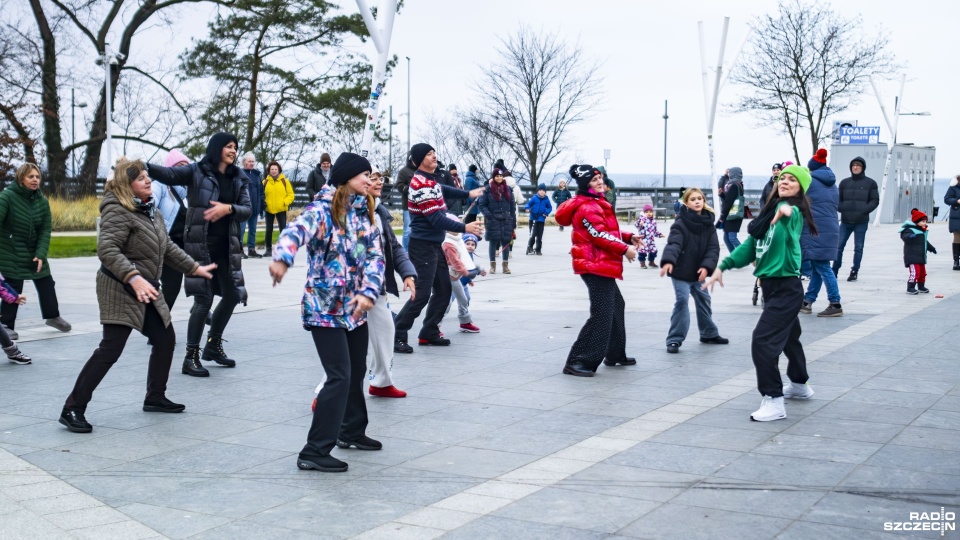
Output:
x=46 y=296
x=202 y=304
x=604 y=334
x=281 y=223
x=778 y=330
x=434 y=276
x=171 y=282
x=115 y=336
x=536 y=236
x=469 y=218
x=341 y=409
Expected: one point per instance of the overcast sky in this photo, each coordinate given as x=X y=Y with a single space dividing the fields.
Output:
x=648 y=52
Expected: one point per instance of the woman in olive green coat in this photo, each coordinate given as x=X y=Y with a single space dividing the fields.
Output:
x=25 y=227
x=133 y=246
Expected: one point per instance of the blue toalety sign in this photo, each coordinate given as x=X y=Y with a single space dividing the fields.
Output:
x=859 y=135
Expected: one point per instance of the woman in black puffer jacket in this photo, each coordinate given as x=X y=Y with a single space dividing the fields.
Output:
x=217 y=201
x=500 y=218
x=691 y=254
x=952 y=198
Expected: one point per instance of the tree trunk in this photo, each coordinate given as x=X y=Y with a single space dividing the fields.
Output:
x=50 y=103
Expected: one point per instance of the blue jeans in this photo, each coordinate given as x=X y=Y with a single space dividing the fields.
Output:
x=406 y=230
x=859 y=231
x=822 y=274
x=680 y=319
x=730 y=240
x=252 y=225
x=806 y=268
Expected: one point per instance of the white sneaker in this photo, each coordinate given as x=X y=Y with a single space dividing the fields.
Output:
x=797 y=391
x=771 y=408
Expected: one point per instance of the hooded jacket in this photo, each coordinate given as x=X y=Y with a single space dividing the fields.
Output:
x=203 y=186
x=598 y=243
x=315 y=182
x=255 y=190
x=25 y=226
x=824 y=199
x=691 y=245
x=915 y=244
x=278 y=194
x=561 y=196
x=132 y=243
x=732 y=193
x=539 y=208
x=472 y=182
x=395 y=257
x=341 y=263
x=859 y=196
x=952 y=199
x=500 y=216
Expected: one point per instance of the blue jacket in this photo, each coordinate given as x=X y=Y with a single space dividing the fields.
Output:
x=539 y=208
x=824 y=201
x=166 y=204
x=258 y=201
x=472 y=182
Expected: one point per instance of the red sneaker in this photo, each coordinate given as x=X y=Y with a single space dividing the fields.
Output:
x=469 y=328
x=313 y=408
x=387 y=391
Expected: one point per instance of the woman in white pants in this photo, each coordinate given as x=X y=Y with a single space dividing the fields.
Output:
x=380 y=319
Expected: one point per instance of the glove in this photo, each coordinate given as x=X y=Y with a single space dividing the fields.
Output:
x=933 y=250
x=719 y=224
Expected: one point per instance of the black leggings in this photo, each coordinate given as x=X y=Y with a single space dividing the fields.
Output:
x=536 y=236
x=115 y=336
x=171 y=282
x=202 y=305
x=604 y=334
x=341 y=410
x=281 y=223
x=778 y=330
x=46 y=296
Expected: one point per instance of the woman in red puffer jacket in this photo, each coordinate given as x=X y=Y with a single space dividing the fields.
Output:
x=598 y=251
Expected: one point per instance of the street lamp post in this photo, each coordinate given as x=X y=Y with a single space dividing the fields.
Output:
x=896 y=102
x=390 y=159
x=665 y=117
x=606 y=157
x=73 y=130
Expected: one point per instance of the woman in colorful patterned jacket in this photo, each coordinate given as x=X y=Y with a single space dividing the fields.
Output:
x=598 y=250
x=344 y=277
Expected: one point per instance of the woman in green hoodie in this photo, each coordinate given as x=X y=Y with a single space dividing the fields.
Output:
x=774 y=244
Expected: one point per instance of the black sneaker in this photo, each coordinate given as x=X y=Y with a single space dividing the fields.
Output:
x=673 y=348
x=162 y=405
x=716 y=340
x=243 y=255
x=436 y=342
x=807 y=307
x=75 y=421
x=363 y=443
x=626 y=361
x=321 y=463
x=402 y=347
x=852 y=276
x=921 y=288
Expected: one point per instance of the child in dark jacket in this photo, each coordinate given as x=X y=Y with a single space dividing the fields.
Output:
x=691 y=254
x=10 y=295
x=539 y=207
x=915 y=248
x=648 y=233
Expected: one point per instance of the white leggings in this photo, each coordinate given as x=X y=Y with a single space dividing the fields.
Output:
x=380 y=352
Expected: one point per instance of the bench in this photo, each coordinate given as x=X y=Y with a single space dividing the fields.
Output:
x=633 y=206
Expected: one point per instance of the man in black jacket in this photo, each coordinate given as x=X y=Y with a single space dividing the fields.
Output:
x=318 y=176
x=859 y=196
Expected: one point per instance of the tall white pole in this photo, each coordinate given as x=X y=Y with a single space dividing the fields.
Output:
x=704 y=72
x=712 y=113
x=891 y=144
x=109 y=102
x=381 y=40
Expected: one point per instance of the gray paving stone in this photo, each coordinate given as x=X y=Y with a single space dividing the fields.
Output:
x=49 y=434
x=673 y=457
x=432 y=430
x=412 y=486
x=227 y=497
x=630 y=482
x=412 y=405
x=129 y=445
x=939 y=419
x=524 y=441
x=483 y=413
x=804 y=530
x=170 y=522
x=566 y=508
x=23 y=525
x=281 y=437
x=859 y=512
x=850 y=430
x=693 y=523
x=472 y=462
x=202 y=427
x=948 y=403
x=749 y=498
x=721 y=438
x=622 y=408
x=917 y=459
x=530 y=399
x=58 y=462
x=727 y=418
x=868 y=412
x=823 y=448
x=211 y=457
x=497 y=528
x=896 y=398
x=126 y=488
x=932 y=487
x=333 y=514
x=86 y=517
x=568 y=422
x=248 y=529
x=60 y=503
x=943 y=439
x=786 y=471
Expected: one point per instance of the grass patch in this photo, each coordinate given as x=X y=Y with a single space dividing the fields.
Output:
x=72 y=246
x=77 y=215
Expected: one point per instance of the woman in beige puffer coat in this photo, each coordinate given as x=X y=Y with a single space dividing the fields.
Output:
x=133 y=246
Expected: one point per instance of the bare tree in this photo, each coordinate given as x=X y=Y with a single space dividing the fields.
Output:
x=540 y=87
x=806 y=63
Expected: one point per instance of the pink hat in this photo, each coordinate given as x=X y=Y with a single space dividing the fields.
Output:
x=647 y=207
x=175 y=156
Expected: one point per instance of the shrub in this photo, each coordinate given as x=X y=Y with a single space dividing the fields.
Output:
x=76 y=215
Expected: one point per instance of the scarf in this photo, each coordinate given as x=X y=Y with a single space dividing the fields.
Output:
x=696 y=221
x=145 y=207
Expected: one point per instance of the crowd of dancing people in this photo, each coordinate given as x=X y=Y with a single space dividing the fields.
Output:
x=181 y=224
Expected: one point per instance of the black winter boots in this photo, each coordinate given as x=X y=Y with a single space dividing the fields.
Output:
x=956 y=256
x=214 y=351
x=191 y=363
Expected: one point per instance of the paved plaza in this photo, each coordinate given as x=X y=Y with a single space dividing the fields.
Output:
x=493 y=442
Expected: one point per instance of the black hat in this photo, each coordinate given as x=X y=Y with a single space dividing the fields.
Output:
x=346 y=167
x=472 y=168
x=452 y=167
x=216 y=145
x=583 y=174
x=420 y=151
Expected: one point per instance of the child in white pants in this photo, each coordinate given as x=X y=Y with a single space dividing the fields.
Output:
x=461 y=265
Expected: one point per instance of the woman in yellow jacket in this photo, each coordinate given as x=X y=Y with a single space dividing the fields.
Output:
x=278 y=195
